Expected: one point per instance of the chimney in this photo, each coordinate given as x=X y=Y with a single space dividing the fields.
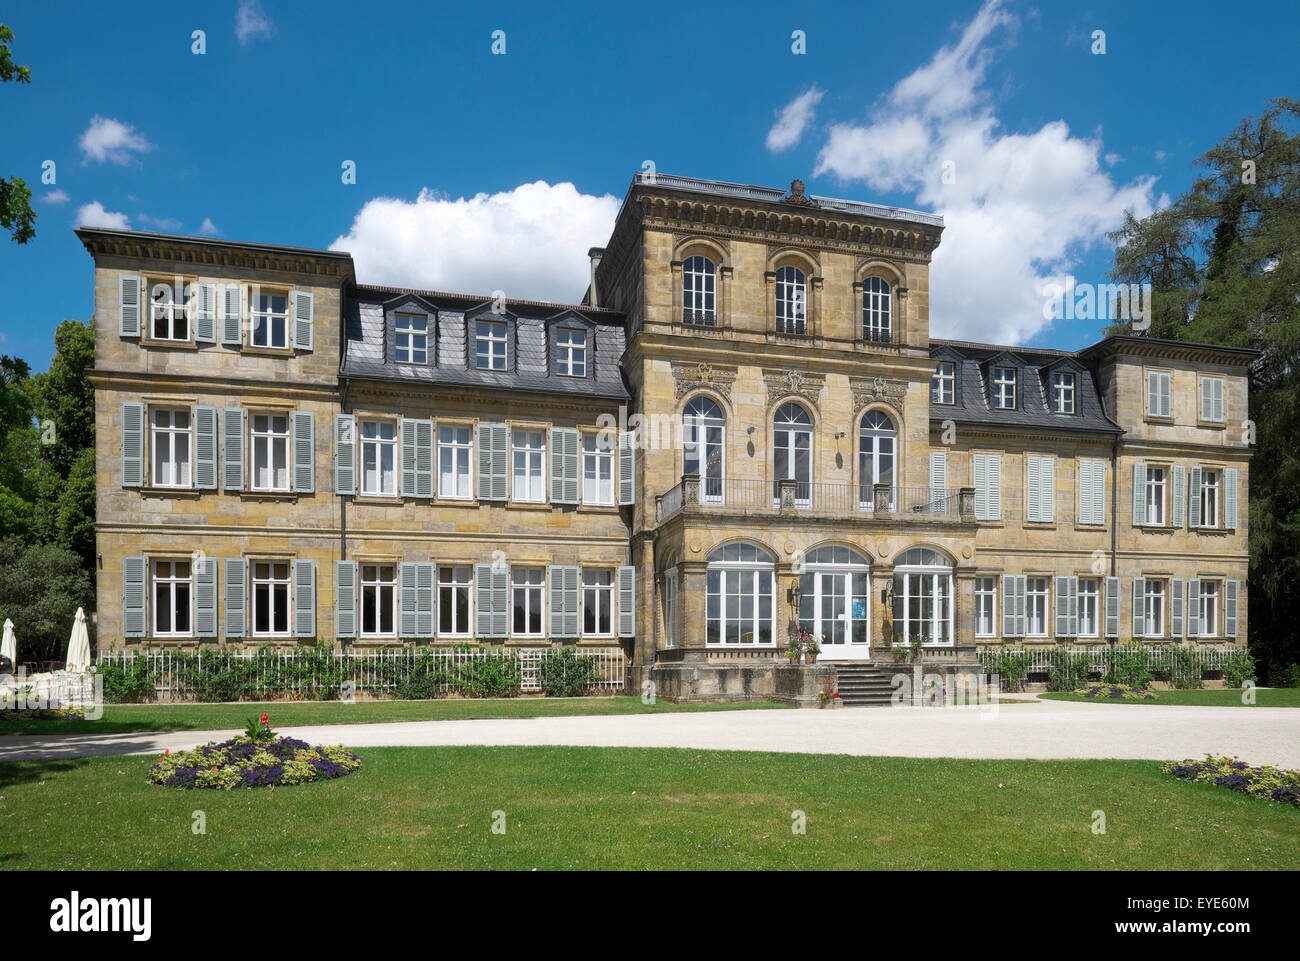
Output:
x=595 y=253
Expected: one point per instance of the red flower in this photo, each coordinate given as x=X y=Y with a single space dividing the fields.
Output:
x=264 y=718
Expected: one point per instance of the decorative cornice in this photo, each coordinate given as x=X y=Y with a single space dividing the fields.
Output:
x=714 y=377
x=870 y=390
x=206 y=252
x=796 y=383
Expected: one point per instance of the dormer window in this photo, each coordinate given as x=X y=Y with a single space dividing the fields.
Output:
x=1063 y=393
x=490 y=345
x=791 y=301
x=168 y=315
x=943 y=383
x=269 y=318
x=876 y=294
x=699 y=291
x=1004 y=388
x=411 y=333
x=571 y=352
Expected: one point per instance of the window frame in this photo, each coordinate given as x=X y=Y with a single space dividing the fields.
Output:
x=171 y=432
x=256 y=291
x=706 y=280
x=1157 y=495
x=989 y=593
x=460 y=451
x=791 y=298
x=938 y=379
x=565 y=353
x=1067 y=389
x=174 y=581
x=1032 y=597
x=877 y=310
x=379 y=444
x=270 y=436
x=534 y=456
x=596 y=455
x=447 y=606
x=534 y=595
x=274 y=583
x=1168 y=376
x=1211 y=498
x=1155 y=597
x=716 y=574
x=598 y=590
x=1209 y=601
x=998 y=385
x=182 y=312
x=491 y=338
x=379 y=585
x=1093 y=593
x=408 y=332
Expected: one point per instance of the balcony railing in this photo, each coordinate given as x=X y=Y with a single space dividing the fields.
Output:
x=700 y=318
x=787 y=496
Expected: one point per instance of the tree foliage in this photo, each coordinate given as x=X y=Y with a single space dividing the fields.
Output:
x=16 y=214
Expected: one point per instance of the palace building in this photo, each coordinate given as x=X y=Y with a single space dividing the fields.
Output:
x=744 y=423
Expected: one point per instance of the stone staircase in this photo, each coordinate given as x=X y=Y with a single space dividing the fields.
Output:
x=864 y=685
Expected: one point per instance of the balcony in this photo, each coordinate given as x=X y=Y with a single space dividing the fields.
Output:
x=748 y=495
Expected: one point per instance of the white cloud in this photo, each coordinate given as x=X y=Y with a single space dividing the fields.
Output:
x=56 y=197
x=530 y=242
x=252 y=23
x=108 y=139
x=161 y=223
x=208 y=228
x=94 y=215
x=789 y=126
x=1021 y=207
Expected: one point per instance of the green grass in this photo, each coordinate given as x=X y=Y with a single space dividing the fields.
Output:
x=1264 y=697
x=134 y=718
x=415 y=808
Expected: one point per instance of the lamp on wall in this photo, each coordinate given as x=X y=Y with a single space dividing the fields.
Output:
x=750 y=429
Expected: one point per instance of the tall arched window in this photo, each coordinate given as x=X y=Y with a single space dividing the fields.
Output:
x=834 y=601
x=703 y=446
x=876 y=294
x=877 y=450
x=923 y=606
x=792 y=457
x=740 y=604
x=791 y=301
x=699 y=291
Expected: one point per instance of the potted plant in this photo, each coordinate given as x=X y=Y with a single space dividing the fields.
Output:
x=793 y=649
x=810 y=649
x=916 y=648
x=828 y=696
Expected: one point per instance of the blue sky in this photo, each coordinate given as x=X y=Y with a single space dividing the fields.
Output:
x=478 y=172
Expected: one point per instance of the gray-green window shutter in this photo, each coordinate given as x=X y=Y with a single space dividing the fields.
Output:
x=345 y=598
x=424 y=600
x=938 y=474
x=993 y=483
x=205 y=597
x=1193 y=499
x=572 y=601
x=1230 y=601
x=345 y=454
x=1062 y=606
x=1180 y=494
x=564 y=465
x=491 y=592
x=232 y=315
x=304 y=598
x=980 y=472
x=235 y=603
x=1112 y=607
x=493 y=461
x=1230 y=498
x=1178 y=600
x=132 y=444
x=128 y=305
x=626 y=601
x=1022 y=613
x=134 y=592
x=1074 y=606
x=1139 y=494
x=1033 y=491
x=406 y=603
x=232 y=448
x=555 y=587
x=483 y=438
x=1008 y=605
x=205 y=314
x=500 y=601
x=304 y=451
x=1216 y=397
x=626 y=468
x=1139 y=609
x=408 y=457
x=205 y=449
x=564 y=599
x=1194 y=607
x=303 y=315
x=1047 y=489
x=482 y=600
x=424 y=458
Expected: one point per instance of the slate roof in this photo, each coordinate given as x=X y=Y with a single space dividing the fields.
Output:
x=368 y=353
x=1034 y=367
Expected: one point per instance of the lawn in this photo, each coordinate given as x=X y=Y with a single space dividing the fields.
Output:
x=567 y=807
x=133 y=718
x=1264 y=697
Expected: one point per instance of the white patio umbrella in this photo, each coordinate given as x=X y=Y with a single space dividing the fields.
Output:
x=9 y=645
x=79 y=646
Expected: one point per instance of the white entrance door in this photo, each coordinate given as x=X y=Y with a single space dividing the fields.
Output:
x=835 y=611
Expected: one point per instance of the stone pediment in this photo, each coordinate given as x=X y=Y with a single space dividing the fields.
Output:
x=800 y=383
x=870 y=390
x=695 y=376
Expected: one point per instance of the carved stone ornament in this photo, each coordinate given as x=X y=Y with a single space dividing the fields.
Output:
x=869 y=390
x=797 y=197
x=689 y=377
x=782 y=383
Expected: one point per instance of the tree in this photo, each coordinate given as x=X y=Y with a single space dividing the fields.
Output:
x=65 y=398
x=16 y=214
x=41 y=587
x=1224 y=264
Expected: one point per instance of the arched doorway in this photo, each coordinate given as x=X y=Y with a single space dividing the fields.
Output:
x=835 y=602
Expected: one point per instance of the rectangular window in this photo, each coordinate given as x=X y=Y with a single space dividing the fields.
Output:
x=571 y=353
x=597 y=469
x=168 y=311
x=528 y=449
x=271 y=598
x=943 y=383
x=270 y=435
x=1209 y=498
x=269 y=318
x=412 y=338
x=1153 y=608
x=169 y=442
x=1212 y=399
x=453 y=600
x=670 y=608
x=490 y=345
x=1063 y=393
x=173 y=599
x=526 y=601
x=597 y=603
x=986 y=611
x=378 y=600
x=1209 y=608
x=378 y=457
x=1036 y=606
x=455 y=448
x=1004 y=388
x=1159 y=393
x=1156 y=496
x=1089 y=606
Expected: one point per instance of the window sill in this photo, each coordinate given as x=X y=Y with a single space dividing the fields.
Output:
x=287 y=496
x=445 y=501
x=1213 y=531
x=1212 y=424
x=1039 y=525
x=163 y=344
x=529 y=505
x=266 y=351
x=381 y=500
x=178 y=493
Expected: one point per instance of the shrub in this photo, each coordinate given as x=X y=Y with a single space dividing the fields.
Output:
x=1012 y=669
x=1184 y=672
x=1288 y=676
x=1068 y=671
x=565 y=673
x=127 y=682
x=1130 y=667
x=1238 y=668
x=420 y=681
x=490 y=676
x=1267 y=782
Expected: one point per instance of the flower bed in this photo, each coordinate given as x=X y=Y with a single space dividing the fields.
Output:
x=43 y=714
x=255 y=759
x=1115 y=692
x=1266 y=781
